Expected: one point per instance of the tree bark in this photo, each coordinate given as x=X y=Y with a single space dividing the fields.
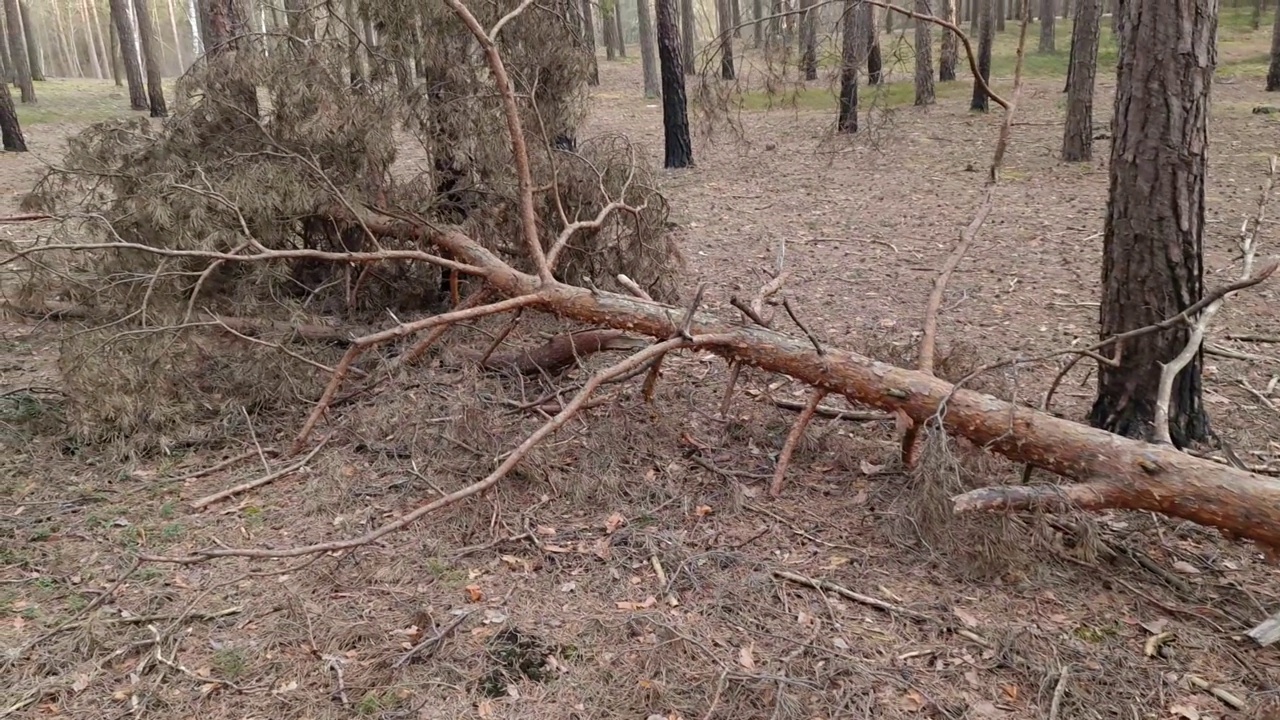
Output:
x=18 y=51
x=999 y=9
x=1077 y=136
x=223 y=23
x=675 y=117
x=986 y=11
x=10 y=130
x=33 y=44
x=688 y=38
x=589 y=36
x=123 y=25
x=725 y=12
x=608 y=29
x=924 y=56
x=618 y=34
x=875 y=64
x=735 y=12
x=1154 y=232
x=757 y=27
x=151 y=56
x=950 y=46
x=116 y=74
x=177 y=38
x=647 y=50
x=808 y=40
x=1047 y=18
x=67 y=39
x=1273 y=72
x=854 y=20
x=1255 y=19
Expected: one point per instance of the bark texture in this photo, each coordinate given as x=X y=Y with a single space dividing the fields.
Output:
x=1047 y=18
x=675 y=116
x=950 y=52
x=1273 y=72
x=589 y=36
x=123 y=25
x=875 y=62
x=688 y=36
x=986 y=13
x=151 y=57
x=1154 y=233
x=33 y=43
x=18 y=51
x=724 y=11
x=1077 y=136
x=924 y=56
x=854 y=20
x=648 y=53
x=10 y=130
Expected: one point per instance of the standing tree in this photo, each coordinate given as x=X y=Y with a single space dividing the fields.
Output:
x=856 y=16
x=875 y=64
x=986 y=11
x=151 y=56
x=647 y=51
x=10 y=130
x=355 y=65
x=725 y=12
x=618 y=34
x=123 y=24
x=757 y=26
x=1077 y=137
x=1255 y=19
x=589 y=36
x=688 y=38
x=1000 y=7
x=222 y=24
x=1047 y=17
x=91 y=40
x=808 y=40
x=675 y=115
x=177 y=38
x=1154 y=233
x=609 y=29
x=18 y=51
x=924 y=56
x=1273 y=73
x=33 y=44
x=950 y=50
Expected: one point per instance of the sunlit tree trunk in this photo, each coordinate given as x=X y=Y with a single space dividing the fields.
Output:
x=33 y=43
x=18 y=51
x=1047 y=17
x=950 y=46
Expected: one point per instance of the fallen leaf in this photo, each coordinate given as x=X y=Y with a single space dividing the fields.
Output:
x=614 y=522
x=288 y=687
x=568 y=587
x=475 y=593
x=840 y=643
x=544 y=531
x=648 y=603
x=745 y=659
x=1185 y=567
x=485 y=708
x=1188 y=712
x=1155 y=627
x=985 y=709
x=914 y=701
x=966 y=617
x=1010 y=693
x=81 y=682
x=868 y=468
x=557 y=549
x=702 y=510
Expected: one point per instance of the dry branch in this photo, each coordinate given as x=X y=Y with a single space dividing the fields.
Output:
x=793 y=439
x=560 y=352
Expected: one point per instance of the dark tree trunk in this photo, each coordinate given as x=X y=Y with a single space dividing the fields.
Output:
x=986 y=11
x=924 y=56
x=116 y=74
x=950 y=46
x=589 y=36
x=725 y=12
x=675 y=117
x=18 y=51
x=151 y=56
x=647 y=50
x=1066 y=9
x=1273 y=73
x=1154 y=234
x=129 y=54
x=853 y=22
x=33 y=44
x=608 y=28
x=618 y=35
x=808 y=40
x=1077 y=137
x=1000 y=13
x=735 y=10
x=1047 y=17
x=975 y=10
x=757 y=27
x=875 y=65
x=688 y=39
x=10 y=130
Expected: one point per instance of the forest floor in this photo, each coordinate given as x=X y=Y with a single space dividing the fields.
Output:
x=638 y=550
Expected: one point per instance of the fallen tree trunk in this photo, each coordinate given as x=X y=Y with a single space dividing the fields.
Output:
x=1116 y=472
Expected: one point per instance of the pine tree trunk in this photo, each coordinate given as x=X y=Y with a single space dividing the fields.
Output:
x=223 y=23
x=177 y=37
x=618 y=31
x=1047 y=17
x=757 y=26
x=808 y=40
x=355 y=70
x=1000 y=13
x=1273 y=72
x=724 y=10
x=950 y=46
x=608 y=28
x=924 y=56
x=589 y=37
x=1154 y=233
x=675 y=117
x=986 y=12
x=875 y=64
x=1077 y=137
x=195 y=19
x=33 y=44
x=151 y=56
x=648 y=53
x=106 y=43
x=6 y=66
x=10 y=130
x=735 y=9
x=854 y=21
x=18 y=50
x=116 y=73
x=688 y=39
x=67 y=39
x=128 y=54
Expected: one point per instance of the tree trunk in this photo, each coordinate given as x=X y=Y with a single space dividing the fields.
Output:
x=106 y=42
x=355 y=68
x=808 y=40
x=618 y=34
x=589 y=37
x=151 y=56
x=875 y=65
x=1255 y=20
x=724 y=10
x=18 y=51
x=608 y=28
x=196 y=20
x=116 y=74
x=1273 y=73
x=33 y=45
x=1000 y=13
x=675 y=116
x=854 y=20
x=1154 y=233
x=757 y=26
x=647 y=50
x=1047 y=17
x=950 y=46
x=986 y=11
x=177 y=38
x=735 y=12
x=1077 y=137
x=1066 y=9
x=223 y=23
x=129 y=54
x=688 y=40
x=10 y=130
x=66 y=31
x=924 y=56
x=301 y=25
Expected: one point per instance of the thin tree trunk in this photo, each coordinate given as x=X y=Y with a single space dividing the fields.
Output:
x=675 y=116
x=151 y=56
x=950 y=46
x=608 y=28
x=6 y=65
x=18 y=50
x=648 y=53
x=735 y=8
x=194 y=20
x=986 y=10
x=688 y=38
x=177 y=38
x=1259 y=7
x=33 y=45
x=757 y=26
x=1077 y=137
x=589 y=37
x=1066 y=9
x=875 y=64
x=115 y=54
x=924 y=56
x=10 y=130
x=128 y=54
x=1000 y=13
x=1273 y=73
x=1047 y=17
x=855 y=18
x=105 y=42
x=808 y=40
x=355 y=68
x=67 y=39
x=619 y=35
x=1153 y=241
x=724 y=10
